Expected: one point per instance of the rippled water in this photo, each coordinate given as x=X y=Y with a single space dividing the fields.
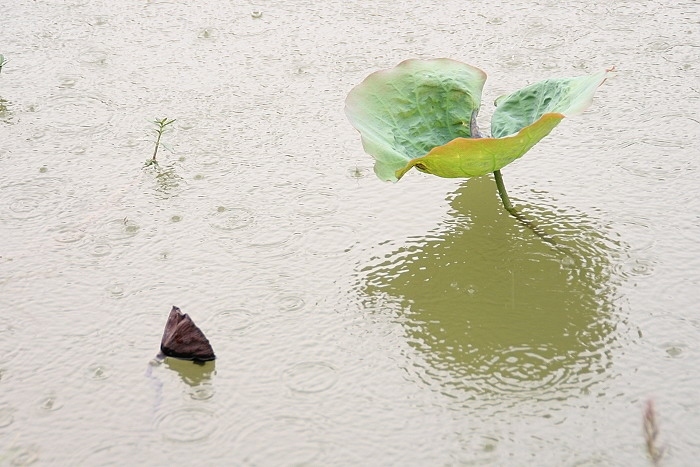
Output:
x=497 y=313
x=355 y=322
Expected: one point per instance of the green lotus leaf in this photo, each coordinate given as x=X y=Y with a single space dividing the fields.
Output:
x=422 y=114
x=404 y=112
x=566 y=96
x=469 y=157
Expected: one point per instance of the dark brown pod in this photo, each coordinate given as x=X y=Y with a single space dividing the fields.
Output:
x=184 y=340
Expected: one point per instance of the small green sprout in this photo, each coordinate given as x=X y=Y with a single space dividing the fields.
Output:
x=161 y=126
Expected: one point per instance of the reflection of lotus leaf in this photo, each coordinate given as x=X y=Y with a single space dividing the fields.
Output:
x=494 y=311
x=191 y=373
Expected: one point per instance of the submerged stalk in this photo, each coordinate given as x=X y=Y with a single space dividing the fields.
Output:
x=515 y=213
x=504 y=194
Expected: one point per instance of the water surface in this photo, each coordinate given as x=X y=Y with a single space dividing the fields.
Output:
x=355 y=322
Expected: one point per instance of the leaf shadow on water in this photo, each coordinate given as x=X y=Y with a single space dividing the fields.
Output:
x=191 y=373
x=493 y=310
x=197 y=378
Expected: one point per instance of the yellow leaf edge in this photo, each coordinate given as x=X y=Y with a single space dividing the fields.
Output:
x=523 y=140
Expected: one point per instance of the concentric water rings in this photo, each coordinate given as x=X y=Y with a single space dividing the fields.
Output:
x=303 y=69
x=290 y=302
x=541 y=36
x=330 y=240
x=32 y=199
x=229 y=219
x=49 y=403
x=201 y=392
x=272 y=237
x=495 y=20
x=207 y=161
x=94 y=57
x=77 y=114
x=317 y=203
x=524 y=373
x=527 y=369
x=675 y=350
x=233 y=321
x=283 y=301
x=23 y=455
x=98 y=372
x=477 y=449
x=310 y=377
x=357 y=172
x=99 y=247
x=185 y=124
x=295 y=442
x=248 y=234
x=514 y=59
x=68 y=233
x=634 y=267
x=110 y=454
x=638 y=231
x=676 y=130
x=24 y=207
x=187 y=424
x=208 y=34
x=118 y=230
x=637 y=258
x=663 y=168
x=658 y=46
x=148 y=318
x=115 y=290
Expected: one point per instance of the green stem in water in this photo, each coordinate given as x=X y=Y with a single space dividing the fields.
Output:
x=515 y=213
x=504 y=194
x=155 y=151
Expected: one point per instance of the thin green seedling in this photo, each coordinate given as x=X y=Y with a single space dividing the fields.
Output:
x=161 y=126
x=3 y=61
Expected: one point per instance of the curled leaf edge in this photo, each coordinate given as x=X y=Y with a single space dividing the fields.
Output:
x=554 y=116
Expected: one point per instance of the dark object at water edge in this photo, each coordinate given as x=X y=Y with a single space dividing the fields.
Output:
x=184 y=340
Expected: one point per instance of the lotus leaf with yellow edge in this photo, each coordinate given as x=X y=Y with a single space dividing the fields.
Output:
x=422 y=114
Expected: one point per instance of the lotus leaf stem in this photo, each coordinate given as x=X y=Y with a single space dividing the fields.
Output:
x=537 y=230
x=504 y=194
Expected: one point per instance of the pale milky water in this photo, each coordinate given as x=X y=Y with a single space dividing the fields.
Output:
x=355 y=322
